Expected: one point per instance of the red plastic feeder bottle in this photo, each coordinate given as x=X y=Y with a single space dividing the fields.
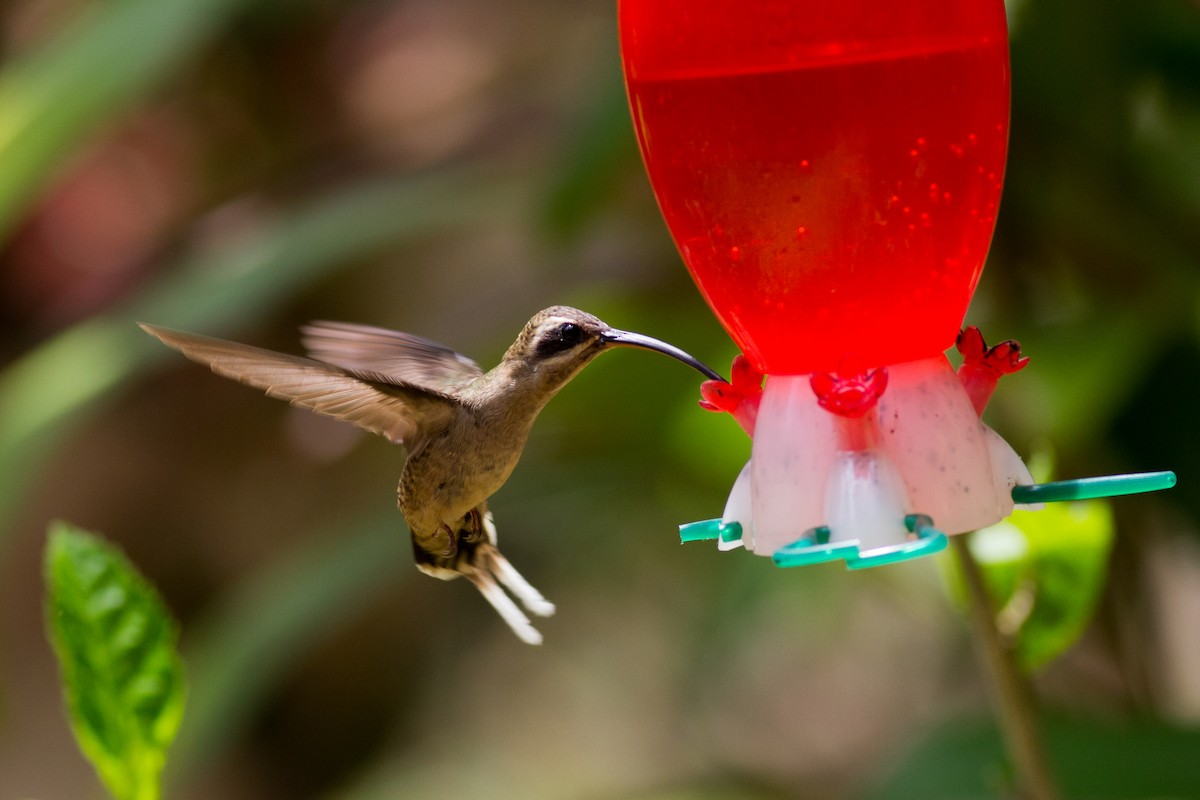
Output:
x=831 y=173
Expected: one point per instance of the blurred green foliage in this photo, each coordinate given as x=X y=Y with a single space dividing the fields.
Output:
x=1136 y=759
x=448 y=168
x=51 y=100
x=45 y=388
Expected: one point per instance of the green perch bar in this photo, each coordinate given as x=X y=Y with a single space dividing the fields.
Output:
x=1091 y=488
x=815 y=546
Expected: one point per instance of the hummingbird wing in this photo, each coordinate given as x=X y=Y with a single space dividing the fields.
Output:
x=396 y=409
x=400 y=356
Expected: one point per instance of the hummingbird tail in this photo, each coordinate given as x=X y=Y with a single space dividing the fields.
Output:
x=530 y=597
x=505 y=607
x=475 y=557
x=512 y=580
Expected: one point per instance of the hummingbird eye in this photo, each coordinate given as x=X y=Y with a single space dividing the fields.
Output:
x=560 y=339
x=570 y=334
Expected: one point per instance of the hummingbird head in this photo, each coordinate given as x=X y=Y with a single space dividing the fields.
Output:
x=559 y=341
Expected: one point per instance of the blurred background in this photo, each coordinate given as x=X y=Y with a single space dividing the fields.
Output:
x=448 y=167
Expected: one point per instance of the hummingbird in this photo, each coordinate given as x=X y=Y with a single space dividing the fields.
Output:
x=463 y=428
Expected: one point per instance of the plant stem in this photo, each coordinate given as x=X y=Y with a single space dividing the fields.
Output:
x=1011 y=693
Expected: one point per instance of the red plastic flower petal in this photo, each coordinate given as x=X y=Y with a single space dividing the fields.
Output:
x=849 y=396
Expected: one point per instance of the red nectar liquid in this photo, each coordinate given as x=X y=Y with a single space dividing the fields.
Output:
x=831 y=177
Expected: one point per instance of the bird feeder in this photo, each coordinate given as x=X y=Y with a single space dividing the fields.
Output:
x=831 y=174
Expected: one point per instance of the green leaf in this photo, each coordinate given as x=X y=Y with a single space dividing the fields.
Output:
x=116 y=647
x=1045 y=570
x=1071 y=543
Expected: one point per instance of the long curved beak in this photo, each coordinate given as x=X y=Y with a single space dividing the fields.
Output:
x=628 y=339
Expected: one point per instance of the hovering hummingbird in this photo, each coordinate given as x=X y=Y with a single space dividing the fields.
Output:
x=464 y=429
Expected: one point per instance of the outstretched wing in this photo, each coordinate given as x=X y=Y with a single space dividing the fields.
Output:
x=399 y=356
x=398 y=410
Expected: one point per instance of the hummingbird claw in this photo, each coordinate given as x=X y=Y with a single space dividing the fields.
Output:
x=505 y=607
x=451 y=542
x=475 y=529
